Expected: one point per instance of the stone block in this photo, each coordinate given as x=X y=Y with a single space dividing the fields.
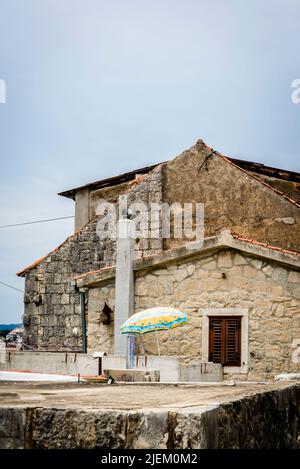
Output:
x=294 y=276
x=65 y=299
x=72 y=428
x=147 y=430
x=225 y=260
x=239 y=259
x=12 y=428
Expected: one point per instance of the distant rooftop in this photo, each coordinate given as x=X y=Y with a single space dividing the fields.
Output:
x=251 y=166
x=108 y=182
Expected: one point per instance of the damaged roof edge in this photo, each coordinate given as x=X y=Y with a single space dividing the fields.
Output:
x=256 y=178
x=270 y=171
x=246 y=165
x=108 y=182
x=23 y=272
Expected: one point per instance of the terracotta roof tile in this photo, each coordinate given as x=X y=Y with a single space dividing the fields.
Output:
x=265 y=245
x=41 y=259
x=143 y=177
x=93 y=272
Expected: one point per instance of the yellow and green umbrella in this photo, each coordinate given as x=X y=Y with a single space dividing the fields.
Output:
x=153 y=320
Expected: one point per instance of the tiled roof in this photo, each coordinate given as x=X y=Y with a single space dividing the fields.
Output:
x=214 y=242
x=93 y=272
x=129 y=177
x=247 y=166
x=265 y=245
x=22 y=272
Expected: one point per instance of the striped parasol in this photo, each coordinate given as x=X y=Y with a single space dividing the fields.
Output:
x=153 y=320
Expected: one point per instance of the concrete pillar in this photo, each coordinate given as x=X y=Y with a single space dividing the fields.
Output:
x=82 y=208
x=124 y=304
x=2 y=351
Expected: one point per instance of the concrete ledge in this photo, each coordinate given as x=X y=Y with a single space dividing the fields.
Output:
x=135 y=375
x=224 y=241
x=50 y=362
x=171 y=369
x=205 y=372
x=83 y=416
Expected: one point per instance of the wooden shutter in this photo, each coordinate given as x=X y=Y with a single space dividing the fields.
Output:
x=225 y=340
x=215 y=340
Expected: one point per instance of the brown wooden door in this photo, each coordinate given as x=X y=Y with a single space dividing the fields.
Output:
x=225 y=340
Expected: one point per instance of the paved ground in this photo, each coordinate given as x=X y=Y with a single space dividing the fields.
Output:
x=126 y=397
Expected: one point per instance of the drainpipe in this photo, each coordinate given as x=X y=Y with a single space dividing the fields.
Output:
x=83 y=321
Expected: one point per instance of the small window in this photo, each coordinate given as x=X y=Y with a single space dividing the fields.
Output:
x=225 y=340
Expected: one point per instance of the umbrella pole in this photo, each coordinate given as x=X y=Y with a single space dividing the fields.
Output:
x=157 y=342
x=138 y=351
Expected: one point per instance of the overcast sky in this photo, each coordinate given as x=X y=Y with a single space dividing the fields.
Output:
x=96 y=88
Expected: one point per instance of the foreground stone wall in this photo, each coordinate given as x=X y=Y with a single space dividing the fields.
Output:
x=264 y=420
x=227 y=279
x=52 y=302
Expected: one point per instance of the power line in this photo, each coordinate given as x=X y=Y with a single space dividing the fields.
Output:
x=36 y=221
x=239 y=218
x=10 y=286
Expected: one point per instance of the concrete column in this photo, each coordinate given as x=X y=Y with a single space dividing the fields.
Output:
x=124 y=305
x=82 y=208
x=2 y=351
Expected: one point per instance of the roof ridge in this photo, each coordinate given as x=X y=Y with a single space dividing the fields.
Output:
x=229 y=160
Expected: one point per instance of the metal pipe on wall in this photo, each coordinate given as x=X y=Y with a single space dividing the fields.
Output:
x=83 y=321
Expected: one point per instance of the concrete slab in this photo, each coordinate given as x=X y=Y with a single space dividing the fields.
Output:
x=127 y=396
x=67 y=415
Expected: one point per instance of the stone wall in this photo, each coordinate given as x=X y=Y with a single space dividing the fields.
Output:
x=231 y=197
x=264 y=420
x=227 y=279
x=99 y=336
x=52 y=302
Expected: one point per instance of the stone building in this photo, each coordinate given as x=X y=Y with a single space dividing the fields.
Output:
x=241 y=288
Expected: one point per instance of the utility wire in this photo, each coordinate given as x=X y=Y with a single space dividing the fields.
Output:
x=10 y=286
x=36 y=221
x=240 y=218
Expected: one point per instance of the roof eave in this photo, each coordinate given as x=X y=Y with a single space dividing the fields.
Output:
x=109 y=182
x=223 y=241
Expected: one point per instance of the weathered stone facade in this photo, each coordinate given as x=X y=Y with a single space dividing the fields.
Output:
x=52 y=301
x=257 y=206
x=269 y=291
x=233 y=198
